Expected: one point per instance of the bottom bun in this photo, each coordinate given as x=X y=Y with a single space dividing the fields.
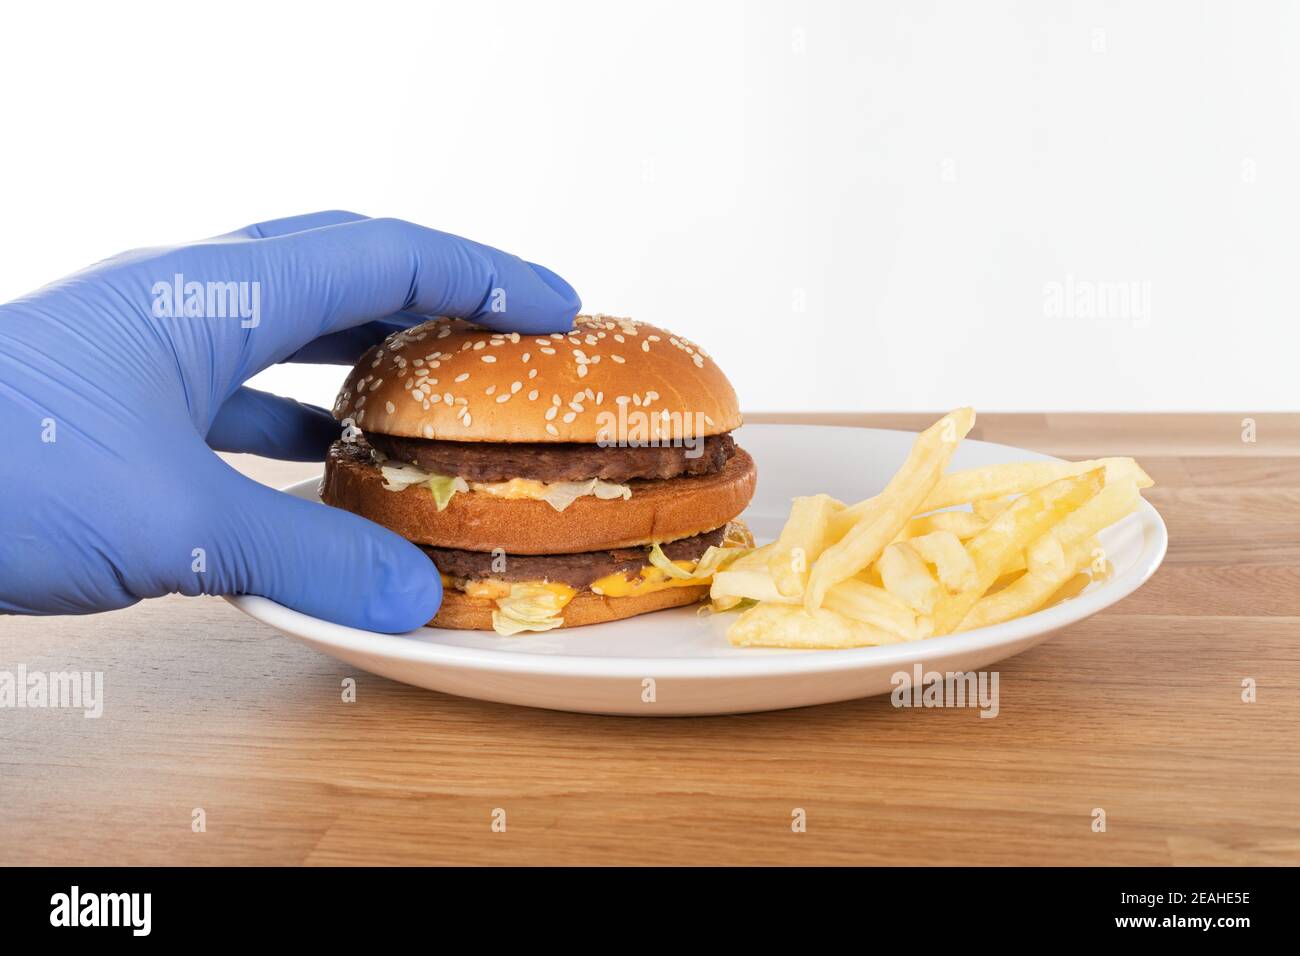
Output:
x=462 y=612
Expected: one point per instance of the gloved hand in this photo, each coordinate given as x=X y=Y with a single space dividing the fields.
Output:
x=114 y=394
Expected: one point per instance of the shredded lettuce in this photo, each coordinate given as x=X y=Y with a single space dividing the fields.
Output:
x=399 y=477
x=712 y=561
x=443 y=487
x=528 y=607
x=722 y=606
x=716 y=559
x=665 y=564
x=560 y=494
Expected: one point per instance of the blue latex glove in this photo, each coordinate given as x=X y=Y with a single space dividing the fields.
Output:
x=110 y=411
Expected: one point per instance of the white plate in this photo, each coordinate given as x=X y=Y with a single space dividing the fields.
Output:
x=604 y=668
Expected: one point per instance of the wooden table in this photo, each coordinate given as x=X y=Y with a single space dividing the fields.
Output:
x=1137 y=711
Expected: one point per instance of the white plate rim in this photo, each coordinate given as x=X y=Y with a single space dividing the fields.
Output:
x=1155 y=543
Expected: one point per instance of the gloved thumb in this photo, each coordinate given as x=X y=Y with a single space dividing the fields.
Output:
x=318 y=560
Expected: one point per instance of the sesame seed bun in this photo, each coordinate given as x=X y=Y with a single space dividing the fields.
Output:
x=451 y=380
x=658 y=511
x=461 y=611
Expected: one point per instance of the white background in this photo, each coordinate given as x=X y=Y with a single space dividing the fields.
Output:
x=852 y=205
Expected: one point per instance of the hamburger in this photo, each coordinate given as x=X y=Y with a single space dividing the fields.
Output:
x=553 y=480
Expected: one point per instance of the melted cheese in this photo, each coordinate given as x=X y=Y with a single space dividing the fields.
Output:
x=515 y=488
x=647 y=582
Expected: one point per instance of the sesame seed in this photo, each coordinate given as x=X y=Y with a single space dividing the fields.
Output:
x=555 y=399
x=569 y=417
x=461 y=377
x=532 y=373
x=479 y=344
x=546 y=351
x=515 y=386
x=575 y=406
x=466 y=420
x=376 y=383
x=551 y=413
x=428 y=431
x=489 y=358
x=417 y=394
x=390 y=407
x=503 y=397
x=645 y=346
x=552 y=430
x=582 y=371
x=532 y=396
x=446 y=398
x=490 y=390
x=524 y=358
x=618 y=358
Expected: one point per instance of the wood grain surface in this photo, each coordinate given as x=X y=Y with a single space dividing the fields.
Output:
x=1137 y=711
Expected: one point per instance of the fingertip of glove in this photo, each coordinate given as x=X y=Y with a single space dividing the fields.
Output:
x=406 y=592
x=566 y=306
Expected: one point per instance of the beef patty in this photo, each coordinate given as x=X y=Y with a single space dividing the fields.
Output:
x=576 y=570
x=559 y=461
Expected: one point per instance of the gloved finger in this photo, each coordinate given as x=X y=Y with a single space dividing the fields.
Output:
x=260 y=423
x=345 y=347
x=310 y=557
x=297 y=288
x=272 y=228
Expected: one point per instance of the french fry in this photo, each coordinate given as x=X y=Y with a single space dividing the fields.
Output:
x=879 y=524
x=802 y=541
x=952 y=564
x=1072 y=540
x=1028 y=517
x=874 y=605
x=996 y=481
x=987 y=509
x=899 y=566
x=964 y=524
x=907 y=578
x=789 y=625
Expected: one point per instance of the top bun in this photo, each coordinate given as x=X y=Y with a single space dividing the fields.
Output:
x=449 y=379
